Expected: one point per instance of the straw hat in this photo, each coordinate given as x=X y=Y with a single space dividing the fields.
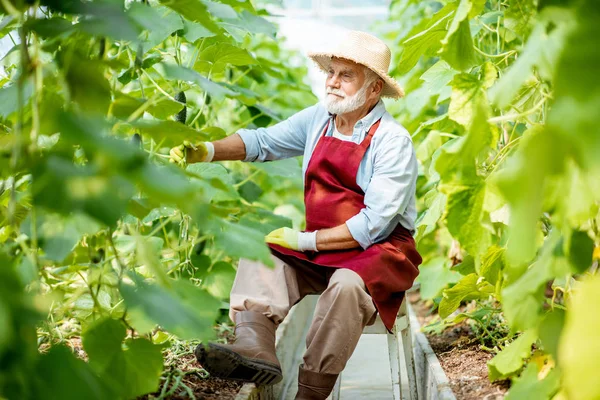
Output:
x=365 y=49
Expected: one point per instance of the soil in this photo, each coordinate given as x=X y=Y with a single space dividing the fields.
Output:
x=203 y=386
x=459 y=353
x=182 y=367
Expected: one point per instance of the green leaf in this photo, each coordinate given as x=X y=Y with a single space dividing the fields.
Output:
x=149 y=256
x=287 y=168
x=241 y=241
x=471 y=287
x=458 y=50
x=510 y=359
x=193 y=31
x=541 y=154
x=425 y=38
x=216 y=182
x=159 y=22
x=9 y=95
x=541 y=52
x=551 y=330
x=457 y=45
x=218 y=56
x=464 y=214
x=108 y=18
x=170 y=133
x=219 y=10
x=466 y=267
x=265 y=221
x=427 y=221
x=219 y=280
x=523 y=297
x=467 y=96
x=492 y=264
x=252 y=23
x=580 y=251
x=435 y=275
x=579 y=347
x=438 y=77
x=74 y=380
x=61 y=186
x=87 y=85
x=194 y=10
x=184 y=310
x=185 y=74
x=131 y=372
x=49 y=27
x=529 y=386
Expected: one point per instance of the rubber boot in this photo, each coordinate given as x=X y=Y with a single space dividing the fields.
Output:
x=251 y=358
x=314 y=385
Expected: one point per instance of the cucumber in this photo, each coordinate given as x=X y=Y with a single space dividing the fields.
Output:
x=181 y=116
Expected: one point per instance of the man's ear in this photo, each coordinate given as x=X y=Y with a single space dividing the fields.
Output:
x=377 y=87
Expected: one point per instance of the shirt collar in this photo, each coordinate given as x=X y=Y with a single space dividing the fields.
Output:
x=373 y=116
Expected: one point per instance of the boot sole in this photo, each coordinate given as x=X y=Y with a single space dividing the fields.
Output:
x=224 y=363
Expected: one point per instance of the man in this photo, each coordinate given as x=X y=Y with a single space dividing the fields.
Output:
x=357 y=251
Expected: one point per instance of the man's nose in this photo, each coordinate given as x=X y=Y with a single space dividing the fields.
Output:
x=333 y=81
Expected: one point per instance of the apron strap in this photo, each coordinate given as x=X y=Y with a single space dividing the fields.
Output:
x=366 y=141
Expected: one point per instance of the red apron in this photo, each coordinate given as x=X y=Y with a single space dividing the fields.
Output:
x=332 y=196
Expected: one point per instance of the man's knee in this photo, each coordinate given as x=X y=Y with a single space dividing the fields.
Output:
x=347 y=281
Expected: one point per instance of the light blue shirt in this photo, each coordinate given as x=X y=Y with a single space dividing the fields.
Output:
x=387 y=173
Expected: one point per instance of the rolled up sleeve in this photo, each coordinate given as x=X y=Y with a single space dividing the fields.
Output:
x=283 y=140
x=392 y=185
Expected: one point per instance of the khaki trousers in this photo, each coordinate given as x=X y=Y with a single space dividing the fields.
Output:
x=343 y=309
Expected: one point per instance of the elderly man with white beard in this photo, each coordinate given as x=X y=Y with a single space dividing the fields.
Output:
x=357 y=250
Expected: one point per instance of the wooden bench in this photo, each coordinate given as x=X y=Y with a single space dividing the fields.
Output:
x=401 y=329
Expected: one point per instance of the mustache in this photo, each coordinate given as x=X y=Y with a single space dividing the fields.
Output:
x=338 y=92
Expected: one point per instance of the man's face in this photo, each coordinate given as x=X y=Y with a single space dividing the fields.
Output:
x=344 y=87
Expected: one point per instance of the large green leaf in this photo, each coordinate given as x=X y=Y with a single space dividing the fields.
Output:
x=541 y=52
x=435 y=275
x=169 y=133
x=218 y=56
x=457 y=45
x=219 y=280
x=194 y=10
x=159 y=22
x=62 y=376
x=540 y=155
x=241 y=241
x=130 y=372
x=9 y=95
x=425 y=38
x=471 y=287
x=530 y=386
x=464 y=214
x=61 y=186
x=579 y=348
x=185 y=74
x=510 y=359
x=184 y=310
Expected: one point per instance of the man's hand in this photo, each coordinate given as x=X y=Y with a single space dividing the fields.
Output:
x=293 y=239
x=188 y=153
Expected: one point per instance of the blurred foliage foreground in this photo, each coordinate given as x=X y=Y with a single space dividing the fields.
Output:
x=100 y=236
x=503 y=98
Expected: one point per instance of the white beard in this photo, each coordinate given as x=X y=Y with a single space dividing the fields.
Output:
x=347 y=104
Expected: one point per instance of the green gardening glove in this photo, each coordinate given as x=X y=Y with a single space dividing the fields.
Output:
x=188 y=153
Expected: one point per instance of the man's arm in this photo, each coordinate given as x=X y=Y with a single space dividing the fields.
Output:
x=283 y=140
x=337 y=238
x=231 y=148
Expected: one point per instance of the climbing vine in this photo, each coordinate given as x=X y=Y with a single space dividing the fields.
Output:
x=100 y=237
x=501 y=101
